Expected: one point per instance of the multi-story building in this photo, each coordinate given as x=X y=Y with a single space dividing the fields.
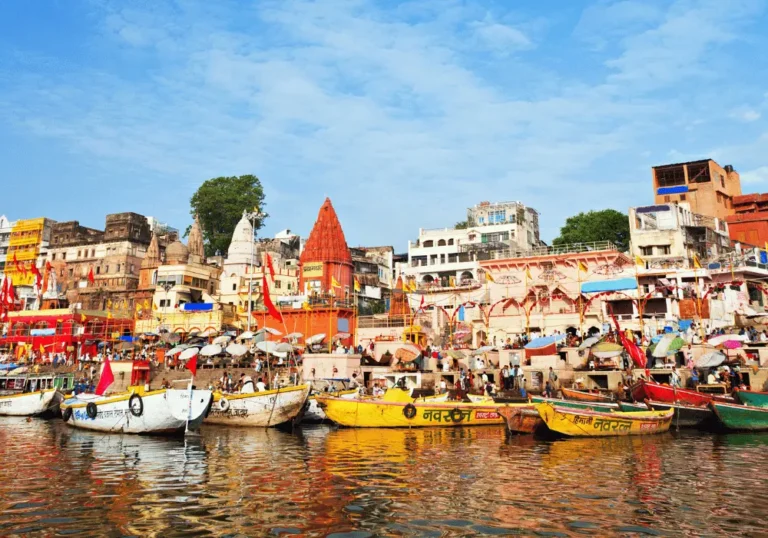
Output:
x=5 y=238
x=668 y=236
x=114 y=256
x=374 y=271
x=708 y=188
x=749 y=223
x=27 y=245
x=161 y=229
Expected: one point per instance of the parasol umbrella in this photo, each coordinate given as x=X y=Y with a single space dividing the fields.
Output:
x=316 y=339
x=675 y=345
x=293 y=336
x=484 y=349
x=283 y=347
x=731 y=344
x=210 y=350
x=723 y=338
x=710 y=360
x=405 y=355
x=660 y=351
x=537 y=343
x=125 y=346
x=341 y=336
x=456 y=354
x=269 y=330
x=589 y=342
x=193 y=332
x=607 y=354
x=188 y=353
x=176 y=350
x=236 y=350
x=223 y=339
x=266 y=347
x=209 y=332
x=247 y=335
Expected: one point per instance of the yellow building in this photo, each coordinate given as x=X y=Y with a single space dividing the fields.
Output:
x=27 y=239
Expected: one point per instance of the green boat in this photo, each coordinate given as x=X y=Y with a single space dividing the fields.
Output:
x=574 y=404
x=755 y=399
x=632 y=407
x=741 y=417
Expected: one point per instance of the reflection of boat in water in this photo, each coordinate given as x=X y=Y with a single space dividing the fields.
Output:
x=259 y=409
x=396 y=409
x=585 y=423
x=157 y=412
x=32 y=394
x=521 y=419
x=333 y=387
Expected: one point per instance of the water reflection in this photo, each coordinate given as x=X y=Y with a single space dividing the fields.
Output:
x=424 y=482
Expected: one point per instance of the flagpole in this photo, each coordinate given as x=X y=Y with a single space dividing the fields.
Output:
x=189 y=405
x=581 y=308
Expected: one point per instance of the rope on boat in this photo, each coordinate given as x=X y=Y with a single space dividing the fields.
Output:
x=274 y=403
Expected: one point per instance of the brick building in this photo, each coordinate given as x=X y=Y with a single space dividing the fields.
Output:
x=708 y=188
x=749 y=224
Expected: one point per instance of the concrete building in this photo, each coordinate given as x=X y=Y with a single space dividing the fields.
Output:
x=668 y=236
x=749 y=223
x=374 y=271
x=6 y=226
x=707 y=187
x=28 y=245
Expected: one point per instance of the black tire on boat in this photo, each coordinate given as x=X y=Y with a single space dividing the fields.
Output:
x=210 y=405
x=66 y=414
x=134 y=411
x=456 y=415
x=91 y=410
x=409 y=411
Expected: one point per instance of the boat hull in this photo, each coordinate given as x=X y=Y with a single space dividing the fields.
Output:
x=575 y=404
x=29 y=404
x=260 y=409
x=359 y=413
x=755 y=399
x=521 y=420
x=583 y=423
x=315 y=414
x=741 y=417
x=583 y=396
x=644 y=390
x=162 y=412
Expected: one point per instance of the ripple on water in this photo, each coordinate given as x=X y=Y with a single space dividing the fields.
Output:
x=354 y=483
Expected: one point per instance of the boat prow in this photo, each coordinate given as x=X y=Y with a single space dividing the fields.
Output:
x=29 y=404
x=583 y=423
x=277 y=407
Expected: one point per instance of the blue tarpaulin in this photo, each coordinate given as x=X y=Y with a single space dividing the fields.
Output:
x=673 y=190
x=42 y=332
x=683 y=324
x=197 y=307
x=609 y=285
x=461 y=313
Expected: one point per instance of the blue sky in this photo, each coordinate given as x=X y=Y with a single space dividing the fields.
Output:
x=404 y=113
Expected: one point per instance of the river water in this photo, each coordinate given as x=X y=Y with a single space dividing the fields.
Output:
x=323 y=481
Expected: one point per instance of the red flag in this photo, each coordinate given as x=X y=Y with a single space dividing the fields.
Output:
x=634 y=352
x=38 y=276
x=274 y=312
x=421 y=305
x=191 y=365
x=10 y=296
x=19 y=267
x=270 y=267
x=46 y=273
x=106 y=378
x=91 y=280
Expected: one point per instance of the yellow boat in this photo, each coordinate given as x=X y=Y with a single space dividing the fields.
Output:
x=585 y=423
x=396 y=409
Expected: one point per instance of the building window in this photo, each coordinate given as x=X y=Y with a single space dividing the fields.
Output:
x=63 y=255
x=682 y=197
x=666 y=199
x=234 y=287
x=670 y=176
x=277 y=284
x=722 y=181
x=71 y=273
x=428 y=244
x=663 y=250
x=288 y=286
x=53 y=257
x=646 y=251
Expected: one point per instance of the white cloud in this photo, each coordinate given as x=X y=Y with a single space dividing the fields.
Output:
x=745 y=114
x=501 y=37
x=756 y=176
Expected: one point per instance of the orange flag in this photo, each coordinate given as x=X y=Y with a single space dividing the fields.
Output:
x=274 y=312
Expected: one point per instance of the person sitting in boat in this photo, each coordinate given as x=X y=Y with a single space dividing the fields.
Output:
x=246 y=384
x=353 y=383
x=260 y=386
x=165 y=384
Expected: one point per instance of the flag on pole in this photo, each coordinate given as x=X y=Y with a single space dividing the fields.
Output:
x=82 y=318
x=19 y=267
x=191 y=365
x=583 y=267
x=91 y=280
x=42 y=350
x=38 y=276
x=270 y=267
x=421 y=304
x=528 y=273
x=696 y=262
x=357 y=285
x=639 y=261
x=106 y=378
x=489 y=277
x=274 y=312
x=334 y=282
x=305 y=306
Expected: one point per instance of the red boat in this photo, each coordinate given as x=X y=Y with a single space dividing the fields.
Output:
x=657 y=392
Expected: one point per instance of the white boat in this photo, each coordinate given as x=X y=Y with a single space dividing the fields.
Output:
x=29 y=404
x=260 y=409
x=314 y=412
x=162 y=411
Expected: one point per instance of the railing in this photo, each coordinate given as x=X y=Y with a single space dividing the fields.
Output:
x=437 y=286
x=574 y=248
x=382 y=321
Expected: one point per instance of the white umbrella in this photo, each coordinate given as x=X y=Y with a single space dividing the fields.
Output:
x=283 y=347
x=269 y=330
x=710 y=360
x=484 y=349
x=178 y=349
x=247 y=335
x=188 y=353
x=266 y=347
x=721 y=339
x=293 y=336
x=316 y=339
x=210 y=350
x=607 y=354
x=237 y=350
x=209 y=332
x=589 y=342
x=223 y=339
x=663 y=346
x=341 y=336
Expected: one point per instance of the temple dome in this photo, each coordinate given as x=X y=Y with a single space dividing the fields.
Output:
x=241 y=246
x=176 y=253
x=326 y=241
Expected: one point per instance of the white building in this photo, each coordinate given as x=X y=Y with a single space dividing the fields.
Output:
x=5 y=237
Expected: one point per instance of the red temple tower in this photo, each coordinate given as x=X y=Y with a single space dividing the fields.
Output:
x=326 y=257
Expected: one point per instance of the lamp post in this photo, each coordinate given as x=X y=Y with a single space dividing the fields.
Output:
x=252 y=216
x=167 y=286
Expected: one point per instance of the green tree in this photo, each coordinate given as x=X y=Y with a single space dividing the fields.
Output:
x=464 y=224
x=605 y=225
x=219 y=204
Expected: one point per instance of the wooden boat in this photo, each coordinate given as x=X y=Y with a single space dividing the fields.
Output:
x=575 y=404
x=632 y=407
x=162 y=411
x=33 y=395
x=314 y=412
x=259 y=409
x=753 y=398
x=583 y=423
x=741 y=417
x=585 y=396
x=649 y=390
x=686 y=416
x=521 y=420
x=396 y=409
